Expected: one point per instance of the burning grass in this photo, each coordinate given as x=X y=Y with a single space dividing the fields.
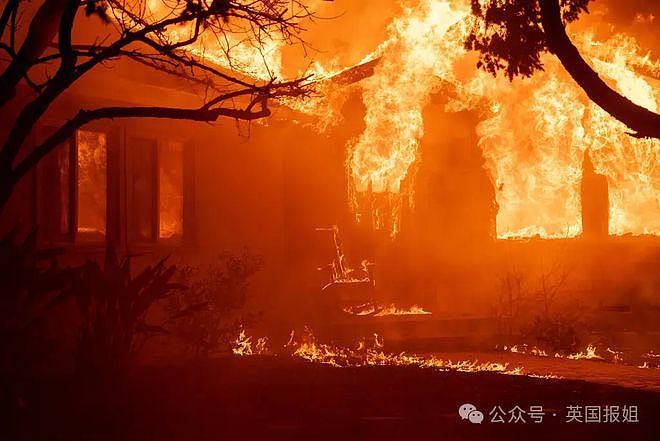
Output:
x=369 y=352
x=592 y=352
x=592 y=364
x=381 y=311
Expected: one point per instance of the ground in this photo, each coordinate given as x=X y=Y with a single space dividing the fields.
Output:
x=281 y=398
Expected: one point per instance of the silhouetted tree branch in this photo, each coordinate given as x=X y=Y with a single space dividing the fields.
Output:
x=86 y=116
x=143 y=35
x=644 y=122
x=511 y=35
x=42 y=30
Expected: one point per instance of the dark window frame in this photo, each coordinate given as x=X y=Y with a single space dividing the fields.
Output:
x=49 y=209
x=49 y=191
x=156 y=242
x=108 y=171
x=118 y=157
x=176 y=240
x=129 y=169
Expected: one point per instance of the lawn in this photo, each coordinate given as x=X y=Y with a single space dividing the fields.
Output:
x=278 y=398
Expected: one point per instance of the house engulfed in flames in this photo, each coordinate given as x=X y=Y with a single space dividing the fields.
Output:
x=460 y=187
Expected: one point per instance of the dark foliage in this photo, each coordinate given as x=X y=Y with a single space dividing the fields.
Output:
x=207 y=315
x=31 y=284
x=509 y=36
x=114 y=307
x=556 y=333
x=98 y=8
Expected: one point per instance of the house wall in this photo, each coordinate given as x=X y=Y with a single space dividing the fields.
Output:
x=234 y=184
x=269 y=186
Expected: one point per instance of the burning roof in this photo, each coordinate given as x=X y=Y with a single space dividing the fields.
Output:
x=533 y=132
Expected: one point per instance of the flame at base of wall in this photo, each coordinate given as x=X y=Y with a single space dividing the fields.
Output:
x=533 y=134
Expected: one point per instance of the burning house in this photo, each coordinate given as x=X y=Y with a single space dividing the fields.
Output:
x=405 y=196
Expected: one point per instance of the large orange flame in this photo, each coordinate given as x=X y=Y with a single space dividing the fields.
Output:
x=423 y=44
x=533 y=135
x=533 y=138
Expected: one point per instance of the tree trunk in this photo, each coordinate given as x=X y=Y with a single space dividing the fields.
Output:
x=642 y=121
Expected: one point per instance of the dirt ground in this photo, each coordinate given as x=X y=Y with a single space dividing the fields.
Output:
x=274 y=398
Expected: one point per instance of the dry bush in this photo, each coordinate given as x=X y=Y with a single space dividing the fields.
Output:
x=208 y=313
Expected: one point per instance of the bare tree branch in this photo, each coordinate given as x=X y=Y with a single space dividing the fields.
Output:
x=146 y=38
x=86 y=116
x=9 y=10
x=42 y=30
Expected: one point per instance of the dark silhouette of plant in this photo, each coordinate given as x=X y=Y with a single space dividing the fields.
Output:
x=208 y=314
x=114 y=307
x=556 y=327
x=31 y=284
x=556 y=333
x=552 y=320
x=512 y=294
x=511 y=35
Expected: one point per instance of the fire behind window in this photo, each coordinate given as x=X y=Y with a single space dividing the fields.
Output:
x=170 y=161
x=92 y=186
x=142 y=187
x=155 y=181
x=75 y=189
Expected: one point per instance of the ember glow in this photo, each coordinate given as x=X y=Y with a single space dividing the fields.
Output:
x=589 y=353
x=245 y=345
x=393 y=310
